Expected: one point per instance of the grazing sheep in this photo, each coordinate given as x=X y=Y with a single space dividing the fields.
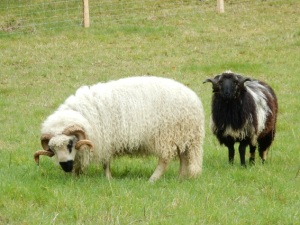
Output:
x=244 y=110
x=137 y=115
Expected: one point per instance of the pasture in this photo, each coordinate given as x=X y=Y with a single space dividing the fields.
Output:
x=40 y=69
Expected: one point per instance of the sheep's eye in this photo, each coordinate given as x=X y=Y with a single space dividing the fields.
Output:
x=70 y=145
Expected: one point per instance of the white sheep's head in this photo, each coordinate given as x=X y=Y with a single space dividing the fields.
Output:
x=64 y=146
x=228 y=85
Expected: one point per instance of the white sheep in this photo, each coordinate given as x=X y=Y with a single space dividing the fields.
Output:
x=136 y=115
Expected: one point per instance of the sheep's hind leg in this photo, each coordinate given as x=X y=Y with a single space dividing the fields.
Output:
x=264 y=144
x=183 y=170
x=252 y=154
x=160 y=169
x=190 y=162
x=263 y=155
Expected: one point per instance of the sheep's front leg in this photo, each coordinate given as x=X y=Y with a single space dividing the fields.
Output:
x=160 y=169
x=230 y=153
x=242 y=151
x=106 y=167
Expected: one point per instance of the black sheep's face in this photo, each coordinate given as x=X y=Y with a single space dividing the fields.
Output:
x=63 y=147
x=228 y=85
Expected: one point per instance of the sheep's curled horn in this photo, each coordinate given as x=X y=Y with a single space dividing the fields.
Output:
x=73 y=130
x=80 y=134
x=47 y=151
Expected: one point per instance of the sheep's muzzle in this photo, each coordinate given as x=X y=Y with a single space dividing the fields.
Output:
x=67 y=166
x=42 y=152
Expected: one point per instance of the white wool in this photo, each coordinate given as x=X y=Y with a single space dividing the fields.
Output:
x=144 y=114
x=262 y=108
x=246 y=131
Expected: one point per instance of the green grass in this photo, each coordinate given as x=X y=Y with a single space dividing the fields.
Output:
x=38 y=70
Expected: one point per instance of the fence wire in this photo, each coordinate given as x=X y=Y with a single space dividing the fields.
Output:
x=28 y=16
x=32 y=15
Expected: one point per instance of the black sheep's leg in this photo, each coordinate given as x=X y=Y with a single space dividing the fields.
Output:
x=264 y=144
x=242 y=151
x=231 y=153
x=252 y=154
x=229 y=143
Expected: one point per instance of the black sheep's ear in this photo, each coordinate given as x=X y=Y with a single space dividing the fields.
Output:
x=242 y=81
x=209 y=80
x=214 y=82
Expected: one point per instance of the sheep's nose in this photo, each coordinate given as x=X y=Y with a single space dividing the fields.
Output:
x=227 y=94
x=67 y=166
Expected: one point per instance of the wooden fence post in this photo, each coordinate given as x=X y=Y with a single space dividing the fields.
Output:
x=86 y=13
x=220 y=6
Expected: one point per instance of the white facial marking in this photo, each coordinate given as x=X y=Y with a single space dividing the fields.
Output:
x=59 y=144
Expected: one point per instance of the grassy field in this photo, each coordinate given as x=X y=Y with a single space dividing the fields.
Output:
x=38 y=70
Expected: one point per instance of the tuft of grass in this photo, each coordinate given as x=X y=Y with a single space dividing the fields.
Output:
x=39 y=69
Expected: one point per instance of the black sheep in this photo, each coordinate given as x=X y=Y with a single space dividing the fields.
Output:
x=244 y=110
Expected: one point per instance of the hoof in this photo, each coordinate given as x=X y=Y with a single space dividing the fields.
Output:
x=244 y=166
x=252 y=161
